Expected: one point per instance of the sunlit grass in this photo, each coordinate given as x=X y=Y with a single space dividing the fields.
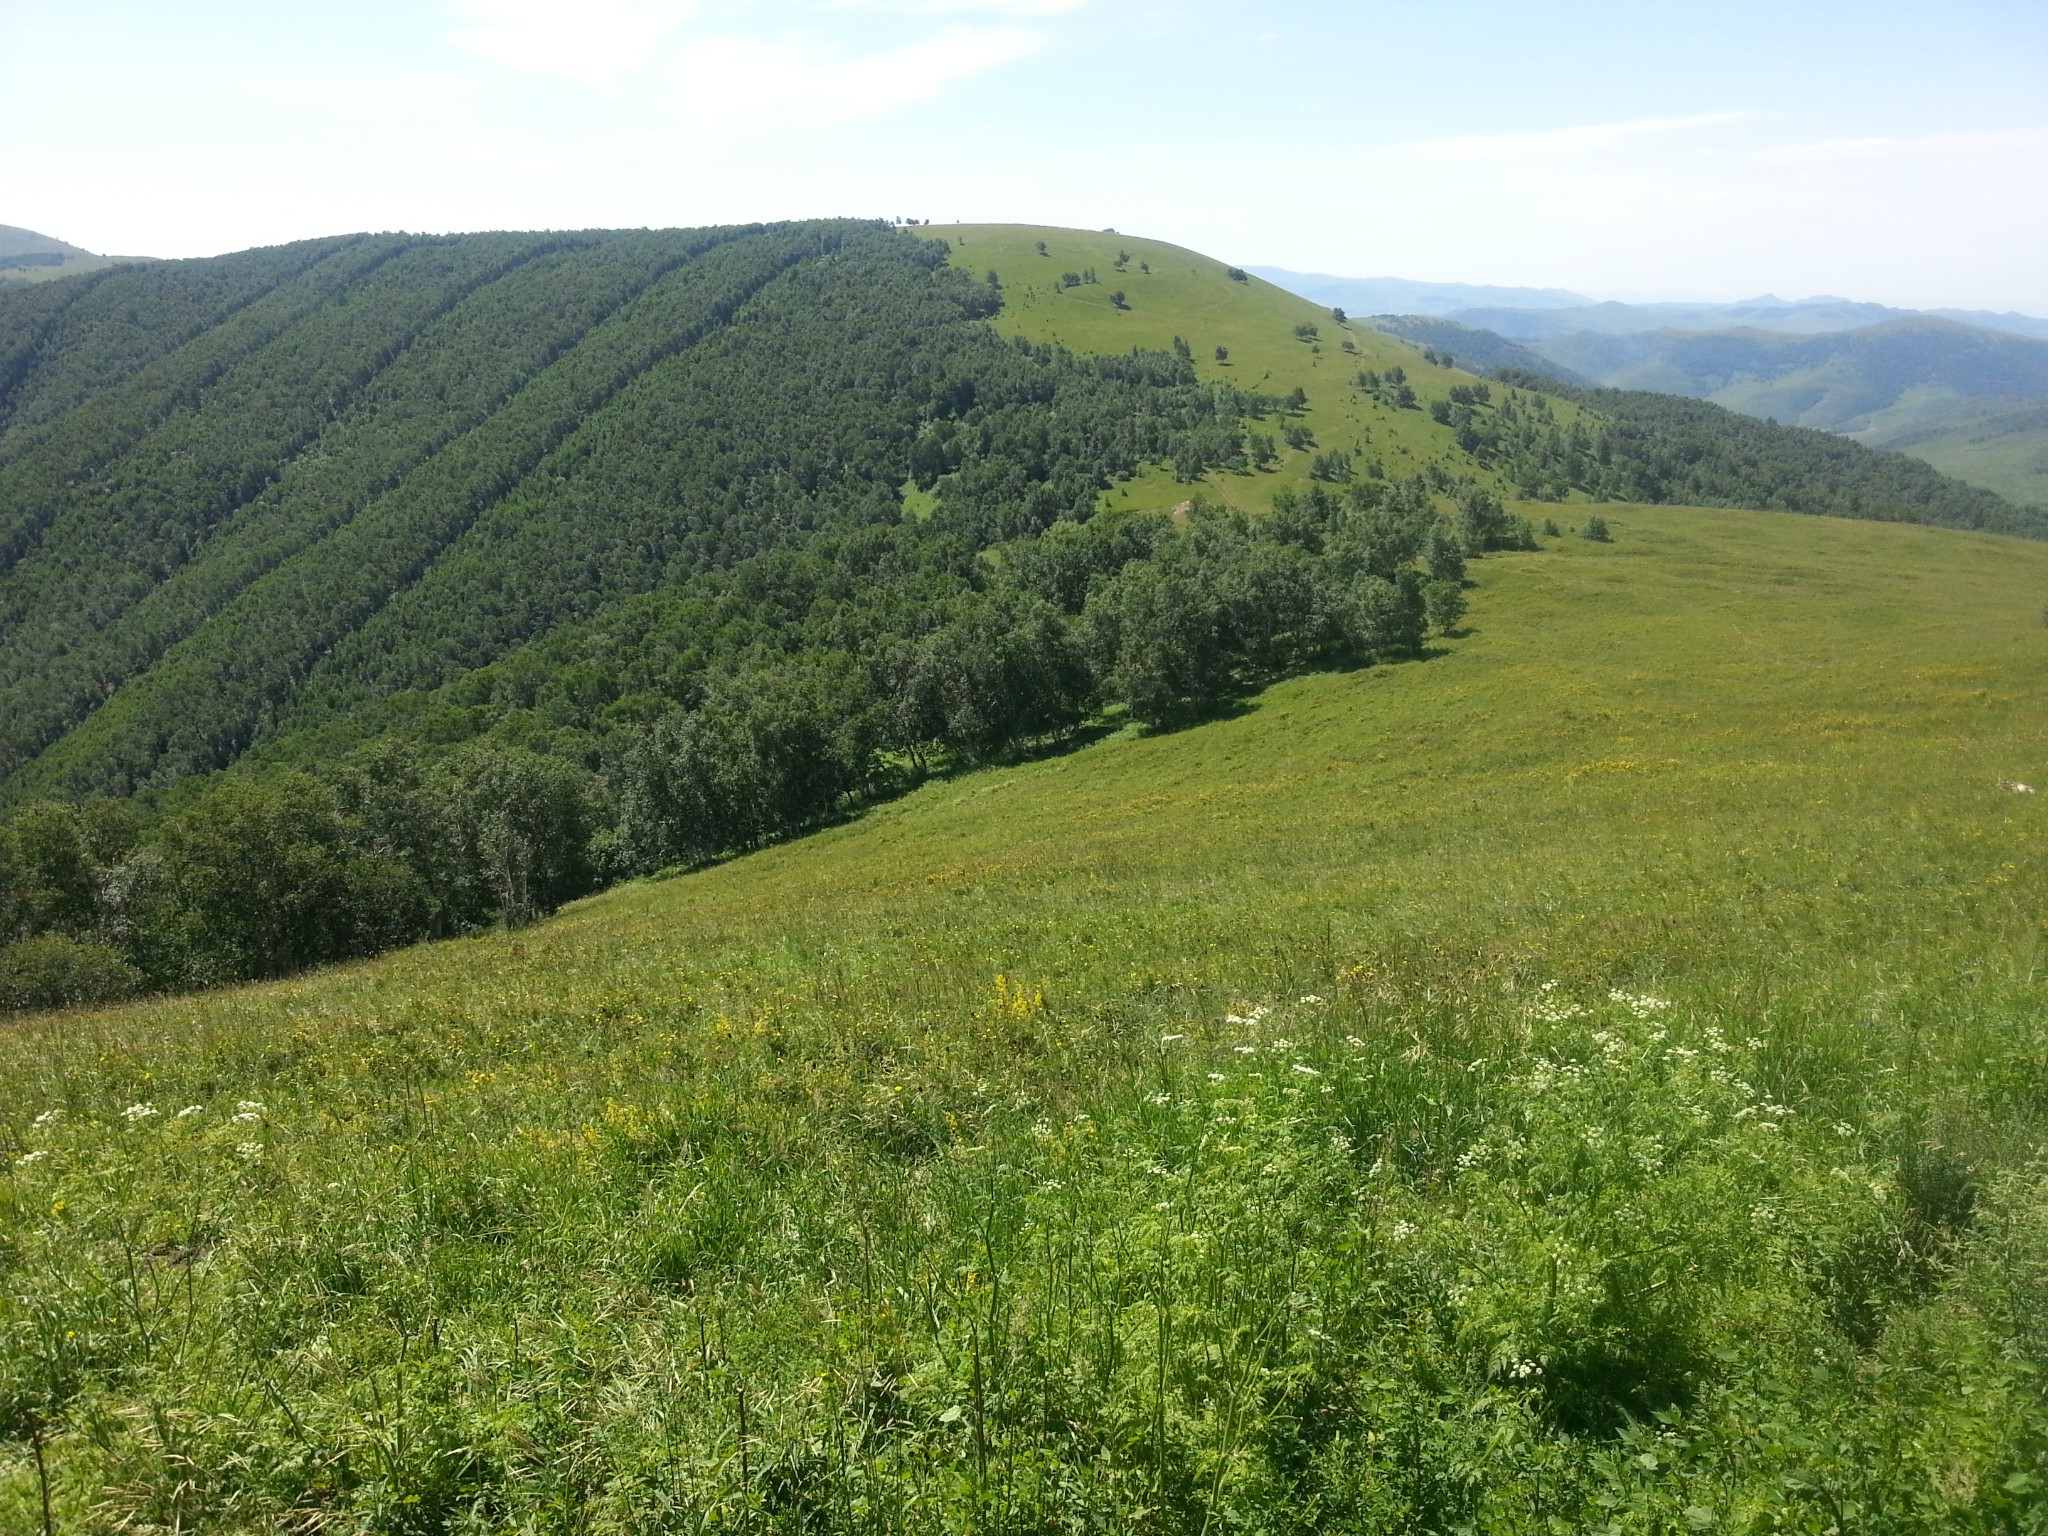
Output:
x=1596 y=1074
x=1190 y=296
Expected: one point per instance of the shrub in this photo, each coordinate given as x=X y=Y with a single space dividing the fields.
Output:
x=53 y=971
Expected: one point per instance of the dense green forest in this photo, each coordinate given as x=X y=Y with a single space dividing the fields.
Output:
x=501 y=567
x=1637 y=445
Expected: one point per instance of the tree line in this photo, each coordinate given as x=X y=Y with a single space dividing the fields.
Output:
x=817 y=681
x=1636 y=445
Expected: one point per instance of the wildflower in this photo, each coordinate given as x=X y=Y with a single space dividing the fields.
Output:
x=30 y=1157
x=134 y=1114
x=1310 y=1000
x=1283 y=1045
x=1306 y=1071
x=1522 y=1370
x=249 y=1106
x=1354 y=1042
x=1403 y=1230
x=188 y=1111
x=246 y=1116
x=48 y=1118
x=1245 y=1050
x=1160 y=1098
x=1170 y=1039
x=249 y=1149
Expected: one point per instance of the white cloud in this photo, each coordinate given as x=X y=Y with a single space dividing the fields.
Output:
x=597 y=42
x=730 y=86
x=962 y=7
x=1568 y=141
x=1961 y=146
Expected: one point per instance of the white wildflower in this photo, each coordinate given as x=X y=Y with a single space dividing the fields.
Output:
x=1522 y=1370
x=134 y=1114
x=249 y=1149
x=187 y=1112
x=249 y=1106
x=48 y=1118
x=1310 y=1000
x=1246 y=1050
x=1306 y=1071
x=1160 y=1098
x=1215 y=1077
x=1403 y=1230
x=1170 y=1039
x=246 y=1116
x=30 y=1157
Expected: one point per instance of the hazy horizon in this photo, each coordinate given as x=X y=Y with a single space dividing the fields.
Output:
x=1887 y=153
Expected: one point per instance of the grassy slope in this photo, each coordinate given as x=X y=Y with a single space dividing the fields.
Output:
x=1751 y=762
x=1188 y=295
x=1994 y=444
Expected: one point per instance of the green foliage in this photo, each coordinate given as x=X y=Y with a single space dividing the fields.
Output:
x=1401 y=1105
x=53 y=970
x=1637 y=446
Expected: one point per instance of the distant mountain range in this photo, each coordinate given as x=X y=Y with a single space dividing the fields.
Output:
x=1965 y=390
x=1802 y=317
x=1536 y=314
x=1401 y=296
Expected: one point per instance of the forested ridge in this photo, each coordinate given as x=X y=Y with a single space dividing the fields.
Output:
x=503 y=566
x=1638 y=445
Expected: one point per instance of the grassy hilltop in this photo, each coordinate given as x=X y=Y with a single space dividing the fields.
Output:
x=1588 y=1079
x=1191 y=296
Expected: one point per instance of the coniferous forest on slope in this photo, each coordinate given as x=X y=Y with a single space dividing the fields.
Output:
x=504 y=566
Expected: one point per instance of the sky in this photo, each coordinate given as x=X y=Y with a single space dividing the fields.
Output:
x=1880 y=150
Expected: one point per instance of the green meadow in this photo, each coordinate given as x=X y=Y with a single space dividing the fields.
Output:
x=1190 y=296
x=1590 y=1079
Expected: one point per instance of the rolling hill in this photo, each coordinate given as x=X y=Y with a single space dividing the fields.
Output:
x=1960 y=389
x=27 y=257
x=1590 y=1076
x=1301 y=999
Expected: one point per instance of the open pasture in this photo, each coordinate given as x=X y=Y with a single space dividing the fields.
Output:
x=1592 y=1079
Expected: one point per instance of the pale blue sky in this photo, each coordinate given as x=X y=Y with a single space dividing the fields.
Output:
x=1883 y=150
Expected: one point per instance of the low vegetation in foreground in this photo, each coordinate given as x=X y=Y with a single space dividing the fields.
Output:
x=1591 y=1079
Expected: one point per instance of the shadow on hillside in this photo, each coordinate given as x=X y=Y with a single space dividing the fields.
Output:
x=905 y=777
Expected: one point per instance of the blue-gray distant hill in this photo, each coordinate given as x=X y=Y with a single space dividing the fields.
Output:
x=1804 y=317
x=1965 y=390
x=1470 y=347
x=1403 y=296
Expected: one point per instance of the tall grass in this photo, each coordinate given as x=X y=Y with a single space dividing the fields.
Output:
x=1593 y=1080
